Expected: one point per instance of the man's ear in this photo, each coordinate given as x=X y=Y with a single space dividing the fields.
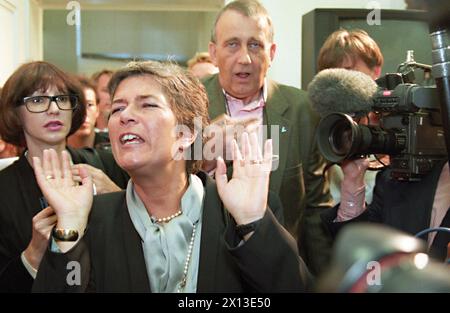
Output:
x=273 y=49
x=212 y=52
x=376 y=72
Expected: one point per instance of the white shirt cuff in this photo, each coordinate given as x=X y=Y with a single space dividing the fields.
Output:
x=31 y=270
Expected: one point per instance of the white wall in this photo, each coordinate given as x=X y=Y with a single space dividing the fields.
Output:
x=286 y=16
x=20 y=34
x=8 y=46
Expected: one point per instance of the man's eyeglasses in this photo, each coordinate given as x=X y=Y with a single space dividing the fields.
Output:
x=38 y=104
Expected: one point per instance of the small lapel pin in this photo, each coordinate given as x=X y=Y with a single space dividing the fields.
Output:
x=283 y=129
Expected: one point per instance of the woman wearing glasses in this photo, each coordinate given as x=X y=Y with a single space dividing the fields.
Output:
x=39 y=107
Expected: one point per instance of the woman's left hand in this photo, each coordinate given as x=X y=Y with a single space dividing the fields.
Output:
x=245 y=195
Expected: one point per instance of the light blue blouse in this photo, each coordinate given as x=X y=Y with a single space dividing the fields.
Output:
x=165 y=245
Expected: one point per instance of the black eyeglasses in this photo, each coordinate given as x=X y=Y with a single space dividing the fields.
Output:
x=38 y=104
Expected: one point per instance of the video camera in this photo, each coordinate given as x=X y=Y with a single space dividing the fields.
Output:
x=410 y=129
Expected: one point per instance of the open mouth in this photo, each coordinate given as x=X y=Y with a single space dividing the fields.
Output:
x=242 y=74
x=54 y=125
x=130 y=139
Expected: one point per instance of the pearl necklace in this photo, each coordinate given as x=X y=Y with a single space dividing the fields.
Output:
x=187 y=262
x=168 y=218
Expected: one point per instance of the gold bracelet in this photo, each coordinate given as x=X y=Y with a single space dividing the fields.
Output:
x=60 y=234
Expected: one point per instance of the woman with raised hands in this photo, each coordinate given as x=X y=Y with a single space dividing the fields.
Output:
x=173 y=229
x=40 y=106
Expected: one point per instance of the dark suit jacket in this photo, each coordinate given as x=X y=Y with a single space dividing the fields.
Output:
x=112 y=259
x=405 y=206
x=298 y=180
x=19 y=202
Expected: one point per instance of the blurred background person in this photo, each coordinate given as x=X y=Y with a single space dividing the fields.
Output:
x=39 y=108
x=371 y=258
x=101 y=80
x=201 y=65
x=8 y=152
x=352 y=50
x=86 y=136
x=416 y=5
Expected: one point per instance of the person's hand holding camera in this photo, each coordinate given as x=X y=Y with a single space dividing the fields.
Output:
x=352 y=189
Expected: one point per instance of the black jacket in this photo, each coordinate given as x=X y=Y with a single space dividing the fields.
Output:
x=111 y=256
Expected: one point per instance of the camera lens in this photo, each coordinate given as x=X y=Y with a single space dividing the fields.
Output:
x=341 y=138
x=336 y=136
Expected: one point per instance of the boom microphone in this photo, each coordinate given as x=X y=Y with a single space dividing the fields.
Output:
x=341 y=90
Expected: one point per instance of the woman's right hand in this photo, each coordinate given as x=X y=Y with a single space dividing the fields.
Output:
x=71 y=202
x=43 y=223
x=354 y=171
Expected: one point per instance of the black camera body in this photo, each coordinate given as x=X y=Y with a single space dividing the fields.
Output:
x=410 y=130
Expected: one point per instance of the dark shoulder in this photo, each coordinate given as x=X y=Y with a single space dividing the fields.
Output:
x=9 y=183
x=384 y=179
x=86 y=155
x=212 y=85
x=209 y=80
x=297 y=100
x=107 y=206
x=8 y=171
x=209 y=184
x=292 y=94
x=9 y=175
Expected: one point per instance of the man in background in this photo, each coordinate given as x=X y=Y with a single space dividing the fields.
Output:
x=101 y=80
x=242 y=47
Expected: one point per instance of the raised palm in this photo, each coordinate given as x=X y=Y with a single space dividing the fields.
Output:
x=70 y=200
x=245 y=194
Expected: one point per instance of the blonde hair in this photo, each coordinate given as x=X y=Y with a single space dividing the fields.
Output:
x=352 y=44
x=199 y=57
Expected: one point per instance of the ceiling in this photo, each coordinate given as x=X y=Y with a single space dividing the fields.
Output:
x=141 y=5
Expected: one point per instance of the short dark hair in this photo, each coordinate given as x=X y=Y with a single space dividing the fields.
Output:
x=27 y=79
x=187 y=96
x=248 y=8
x=343 y=44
